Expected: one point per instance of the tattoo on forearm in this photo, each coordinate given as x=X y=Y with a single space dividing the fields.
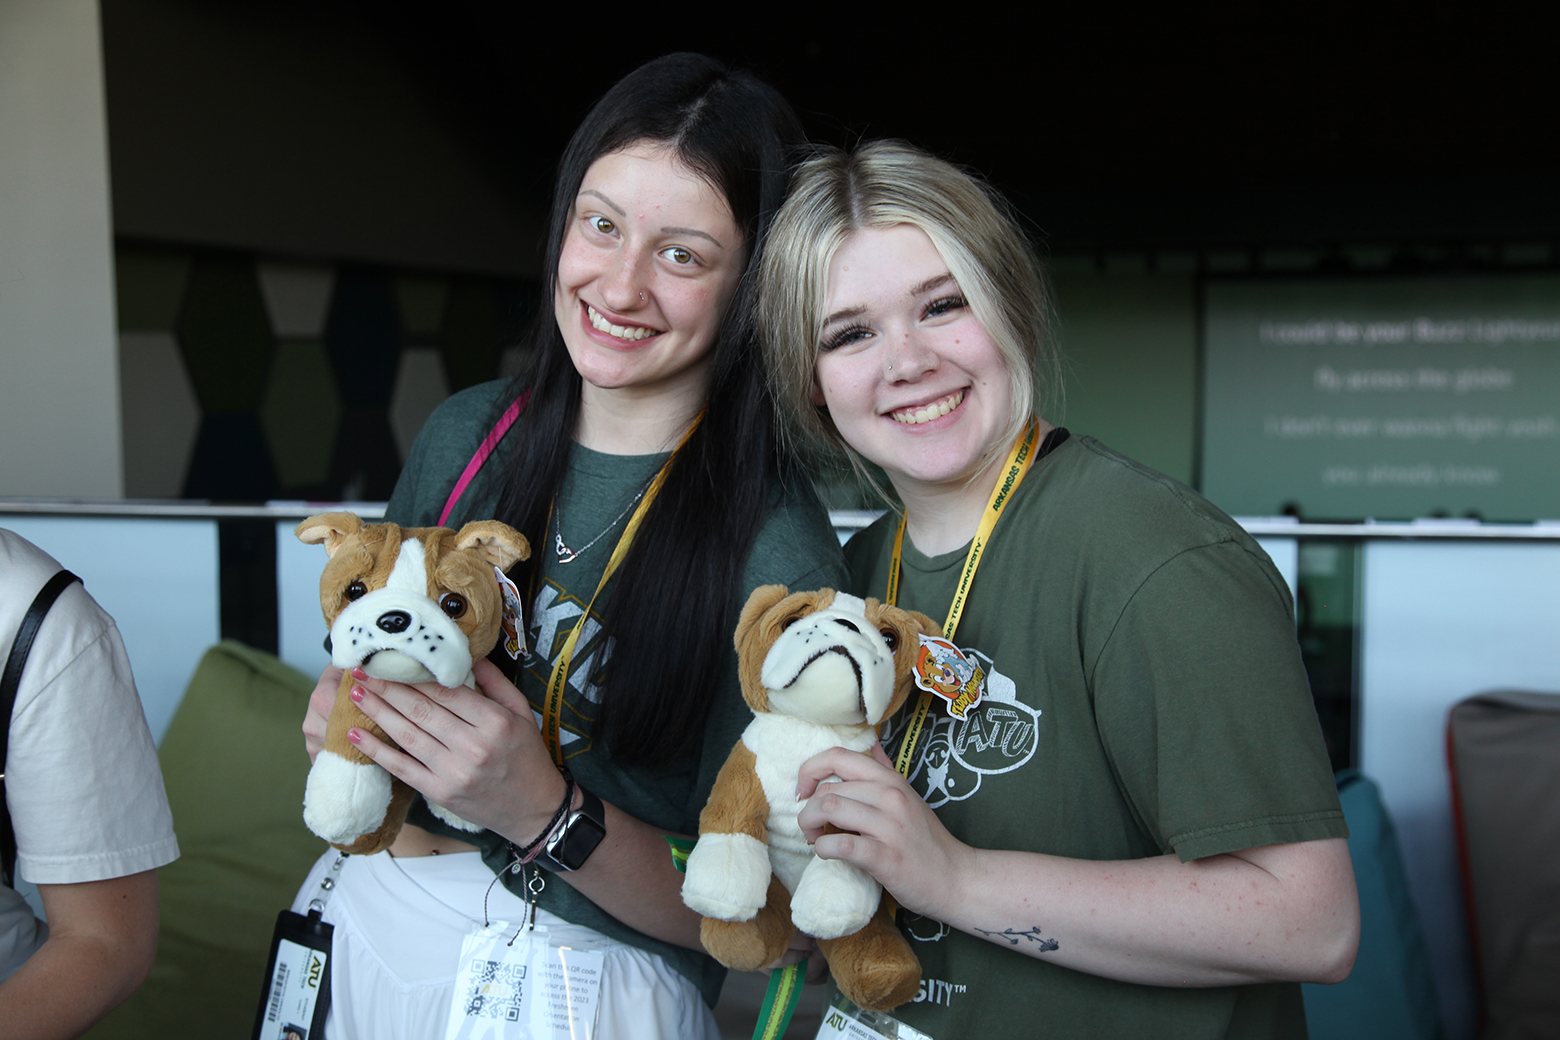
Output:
x=1043 y=945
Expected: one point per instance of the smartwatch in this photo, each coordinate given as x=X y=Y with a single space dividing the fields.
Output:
x=572 y=845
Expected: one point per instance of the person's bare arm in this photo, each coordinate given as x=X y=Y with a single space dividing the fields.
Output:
x=1269 y=914
x=102 y=938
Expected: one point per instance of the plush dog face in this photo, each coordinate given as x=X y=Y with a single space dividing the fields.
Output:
x=826 y=656
x=412 y=604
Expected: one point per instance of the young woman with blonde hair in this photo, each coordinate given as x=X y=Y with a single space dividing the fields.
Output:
x=1133 y=830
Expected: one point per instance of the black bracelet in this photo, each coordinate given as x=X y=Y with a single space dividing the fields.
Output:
x=528 y=853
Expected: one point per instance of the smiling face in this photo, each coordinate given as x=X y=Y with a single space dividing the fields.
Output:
x=650 y=261
x=910 y=378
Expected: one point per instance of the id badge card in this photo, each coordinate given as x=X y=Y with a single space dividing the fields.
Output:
x=843 y=1020
x=296 y=999
x=522 y=987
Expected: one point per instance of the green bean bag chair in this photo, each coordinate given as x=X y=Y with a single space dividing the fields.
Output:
x=234 y=765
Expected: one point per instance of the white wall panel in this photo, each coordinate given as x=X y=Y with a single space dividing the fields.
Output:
x=157 y=578
x=300 y=626
x=59 y=396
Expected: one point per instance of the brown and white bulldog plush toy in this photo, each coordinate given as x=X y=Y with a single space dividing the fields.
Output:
x=820 y=670
x=415 y=604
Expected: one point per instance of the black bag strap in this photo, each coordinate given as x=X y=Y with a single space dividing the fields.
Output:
x=10 y=680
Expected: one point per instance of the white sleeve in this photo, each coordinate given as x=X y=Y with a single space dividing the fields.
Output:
x=82 y=781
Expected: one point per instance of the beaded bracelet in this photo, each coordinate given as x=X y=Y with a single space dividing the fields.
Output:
x=530 y=852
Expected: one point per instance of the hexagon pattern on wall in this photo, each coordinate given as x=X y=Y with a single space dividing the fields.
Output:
x=160 y=414
x=419 y=387
x=149 y=286
x=301 y=414
x=421 y=301
x=297 y=296
x=363 y=337
x=245 y=379
x=225 y=334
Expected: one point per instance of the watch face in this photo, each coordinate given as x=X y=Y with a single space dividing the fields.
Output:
x=580 y=839
x=572 y=846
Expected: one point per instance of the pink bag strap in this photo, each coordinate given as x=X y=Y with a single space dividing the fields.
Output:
x=484 y=449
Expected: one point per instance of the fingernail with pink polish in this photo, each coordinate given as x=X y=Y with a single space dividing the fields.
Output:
x=356 y=694
x=355 y=735
x=358 y=673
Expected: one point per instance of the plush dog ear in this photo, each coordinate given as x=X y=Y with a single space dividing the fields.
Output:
x=750 y=643
x=330 y=528
x=910 y=624
x=497 y=543
x=928 y=626
x=758 y=604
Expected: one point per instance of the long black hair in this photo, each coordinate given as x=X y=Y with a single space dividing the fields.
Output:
x=674 y=599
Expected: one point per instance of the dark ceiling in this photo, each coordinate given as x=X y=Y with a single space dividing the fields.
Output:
x=1257 y=124
x=1190 y=125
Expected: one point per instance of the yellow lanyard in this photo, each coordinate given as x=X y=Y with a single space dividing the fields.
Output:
x=1018 y=460
x=552 y=707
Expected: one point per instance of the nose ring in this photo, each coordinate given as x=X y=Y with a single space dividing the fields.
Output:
x=641 y=297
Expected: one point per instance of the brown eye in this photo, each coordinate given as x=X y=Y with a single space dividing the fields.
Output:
x=890 y=639
x=357 y=590
x=452 y=604
x=788 y=622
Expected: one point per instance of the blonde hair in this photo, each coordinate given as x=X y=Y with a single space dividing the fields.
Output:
x=879 y=185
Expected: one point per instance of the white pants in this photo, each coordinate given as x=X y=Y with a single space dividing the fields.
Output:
x=399 y=924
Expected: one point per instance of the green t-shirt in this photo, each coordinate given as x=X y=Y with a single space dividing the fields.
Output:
x=1145 y=696
x=795 y=547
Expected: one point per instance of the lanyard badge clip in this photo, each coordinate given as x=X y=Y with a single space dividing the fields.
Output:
x=296 y=1000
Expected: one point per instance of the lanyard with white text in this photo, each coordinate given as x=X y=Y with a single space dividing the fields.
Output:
x=1018 y=461
x=552 y=707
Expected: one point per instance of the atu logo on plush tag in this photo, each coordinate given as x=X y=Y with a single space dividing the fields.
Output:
x=942 y=669
x=513 y=637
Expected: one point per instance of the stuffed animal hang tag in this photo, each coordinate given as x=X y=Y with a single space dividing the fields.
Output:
x=513 y=636
x=518 y=986
x=941 y=668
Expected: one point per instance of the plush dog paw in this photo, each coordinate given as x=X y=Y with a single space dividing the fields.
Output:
x=728 y=875
x=450 y=818
x=343 y=799
x=833 y=899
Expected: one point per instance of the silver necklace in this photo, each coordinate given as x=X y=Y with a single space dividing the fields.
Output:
x=568 y=555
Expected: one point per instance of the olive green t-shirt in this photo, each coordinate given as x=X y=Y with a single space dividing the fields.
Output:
x=795 y=547
x=1145 y=696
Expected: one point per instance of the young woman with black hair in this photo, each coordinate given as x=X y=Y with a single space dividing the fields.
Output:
x=643 y=397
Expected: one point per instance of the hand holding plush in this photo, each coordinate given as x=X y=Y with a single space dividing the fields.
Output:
x=820 y=670
x=410 y=605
